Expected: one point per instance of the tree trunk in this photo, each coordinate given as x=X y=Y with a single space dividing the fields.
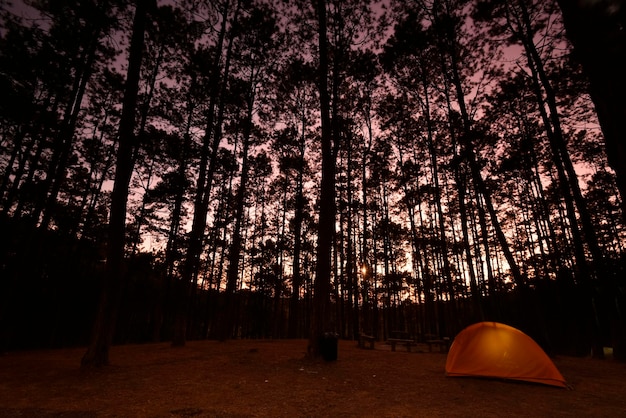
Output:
x=321 y=320
x=568 y=185
x=210 y=146
x=98 y=351
x=63 y=143
x=227 y=312
x=596 y=30
x=294 y=329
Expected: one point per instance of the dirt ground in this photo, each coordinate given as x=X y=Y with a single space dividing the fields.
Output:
x=261 y=378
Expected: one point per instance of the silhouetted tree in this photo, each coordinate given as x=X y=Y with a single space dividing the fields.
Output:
x=98 y=351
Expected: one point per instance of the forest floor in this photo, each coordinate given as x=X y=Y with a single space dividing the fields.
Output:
x=273 y=378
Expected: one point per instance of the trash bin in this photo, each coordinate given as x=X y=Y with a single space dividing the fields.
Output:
x=328 y=346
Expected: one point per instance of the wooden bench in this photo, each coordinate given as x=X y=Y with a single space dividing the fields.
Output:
x=402 y=341
x=403 y=335
x=366 y=339
x=442 y=344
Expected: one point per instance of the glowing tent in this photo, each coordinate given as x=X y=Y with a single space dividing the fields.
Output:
x=491 y=349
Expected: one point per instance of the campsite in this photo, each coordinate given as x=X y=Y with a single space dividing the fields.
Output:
x=248 y=378
x=327 y=208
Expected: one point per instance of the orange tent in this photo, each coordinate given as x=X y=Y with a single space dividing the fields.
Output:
x=491 y=349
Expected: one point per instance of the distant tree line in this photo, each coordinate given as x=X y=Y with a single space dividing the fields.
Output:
x=257 y=169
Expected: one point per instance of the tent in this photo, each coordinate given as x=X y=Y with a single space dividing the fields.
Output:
x=492 y=349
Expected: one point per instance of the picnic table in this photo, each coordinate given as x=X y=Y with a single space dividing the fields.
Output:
x=443 y=344
x=407 y=342
x=369 y=339
x=401 y=337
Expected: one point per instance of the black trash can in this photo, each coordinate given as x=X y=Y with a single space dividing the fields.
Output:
x=328 y=346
